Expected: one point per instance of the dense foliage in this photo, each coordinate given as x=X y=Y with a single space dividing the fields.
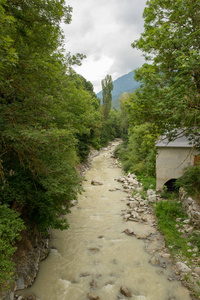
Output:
x=49 y=119
x=190 y=181
x=170 y=84
x=169 y=95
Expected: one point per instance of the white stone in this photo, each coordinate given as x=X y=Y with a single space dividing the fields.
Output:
x=190 y=200
x=166 y=255
x=127 y=216
x=178 y=219
x=196 y=249
x=152 y=198
x=133 y=204
x=131 y=175
x=183 y=267
x=197 y=270
x=187 y=221
x=189 y=230
x=135 y=214
x=150 y=192
x=132 y=181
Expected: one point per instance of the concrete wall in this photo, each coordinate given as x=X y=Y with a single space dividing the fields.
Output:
x=171 y=162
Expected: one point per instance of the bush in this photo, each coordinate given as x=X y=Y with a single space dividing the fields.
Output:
x=10 y=227
x=148 y=182
x=190 y=181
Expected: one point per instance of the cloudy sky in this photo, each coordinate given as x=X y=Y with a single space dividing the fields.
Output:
x=103 y=30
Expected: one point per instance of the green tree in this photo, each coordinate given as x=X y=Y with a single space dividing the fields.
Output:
x=170 y=83
x=107 y=87
x=45 y=111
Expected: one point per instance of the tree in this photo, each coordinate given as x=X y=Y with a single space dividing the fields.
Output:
x=45 y=111
x=170 y=92
x=107 y=87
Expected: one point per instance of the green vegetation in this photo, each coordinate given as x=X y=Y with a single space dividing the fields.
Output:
x=138 y=154
x=122 y=85
x=190 y=181
x=107 y=87
x=167 y=212
x=50 y=117
x=169 y=95
x=10 y=227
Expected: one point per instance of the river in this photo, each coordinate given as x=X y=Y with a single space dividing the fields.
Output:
x=95 y=255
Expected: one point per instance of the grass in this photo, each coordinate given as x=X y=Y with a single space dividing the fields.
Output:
x=148 y=182
x=167 y=213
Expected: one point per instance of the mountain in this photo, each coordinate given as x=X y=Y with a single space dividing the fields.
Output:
x=125 y=83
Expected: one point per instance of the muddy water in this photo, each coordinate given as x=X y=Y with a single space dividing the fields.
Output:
x=95 y=256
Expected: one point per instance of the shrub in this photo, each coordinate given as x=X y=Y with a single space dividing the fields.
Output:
x=190 y=181
x=10 y=227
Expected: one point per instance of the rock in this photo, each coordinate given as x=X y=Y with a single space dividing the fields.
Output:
x=196 y=249
x=135 y=214
x=154 y=261
x=125 y=291
x=152 y=198
x=150 y=192
x=31 y=297
x=189 y=229
x=129 y=231
x=166 y=255
x=190 y=200
x=142 y=236
x=96 y=182
x=132 y=181
x=93 y=296
x=94 y=250
x=85 y=274
x=182 y=267
x=127 y=216
x=94 y=284
x=139 y=189
x=73 y=203
x=187 y=221
x=197 y=270
x=133 y=204
x=131 y=175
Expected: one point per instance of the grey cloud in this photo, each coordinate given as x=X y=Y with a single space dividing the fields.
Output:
x=106 y=28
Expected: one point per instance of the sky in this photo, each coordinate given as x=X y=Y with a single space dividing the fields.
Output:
x=103 y=30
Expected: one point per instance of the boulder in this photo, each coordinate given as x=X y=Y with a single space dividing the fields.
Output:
x=126 y=292
x=150 y=192
x=183 y=267
x=152 y=198
x=133 y=204
x=132 y=181
x=197 y=270
x=154 y=261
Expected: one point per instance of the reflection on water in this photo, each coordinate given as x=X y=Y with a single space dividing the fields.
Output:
x=95 y=256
